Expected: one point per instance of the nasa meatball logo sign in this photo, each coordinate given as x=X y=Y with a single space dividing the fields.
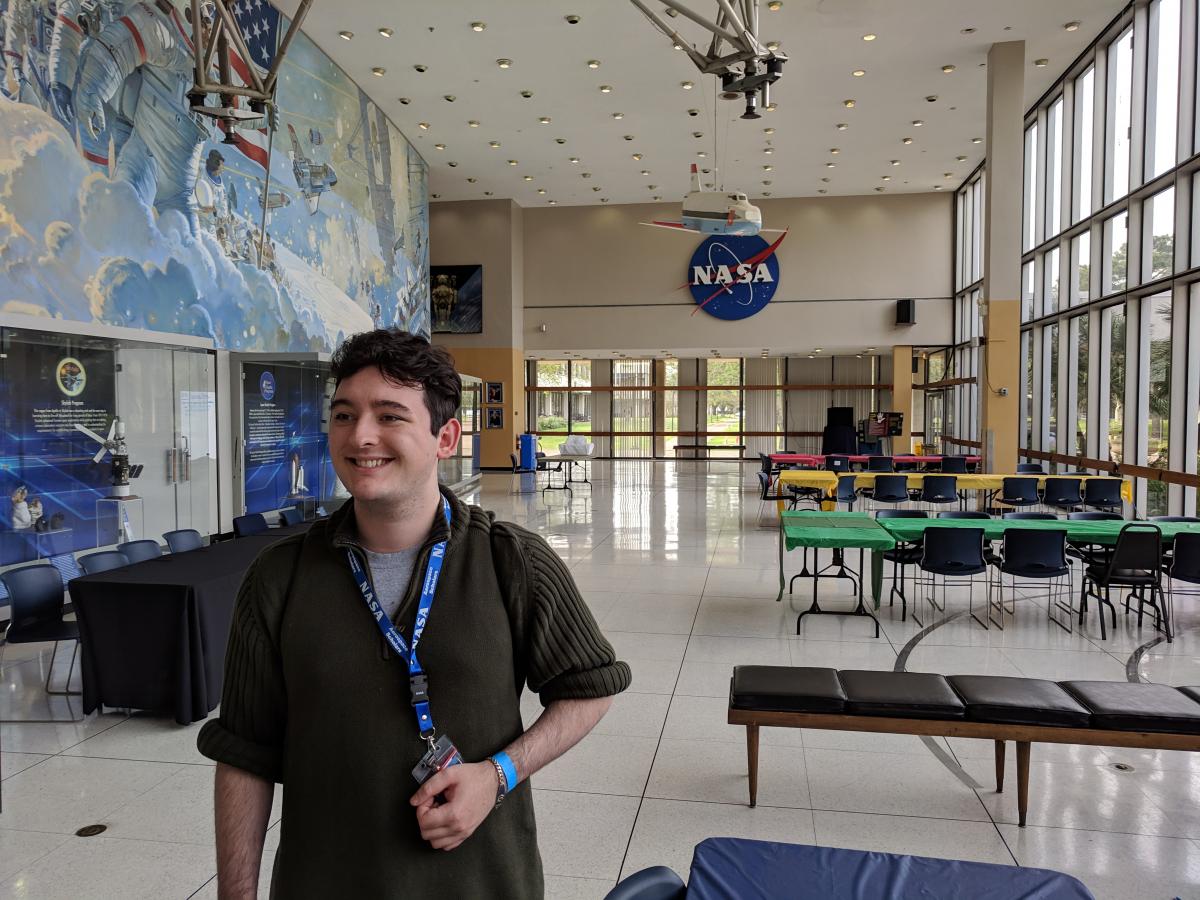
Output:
x=733 y=277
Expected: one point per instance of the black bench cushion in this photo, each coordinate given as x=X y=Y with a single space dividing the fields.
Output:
x=909 y=695
x=1018 y=701
x=786 y=689
x=1126 y=706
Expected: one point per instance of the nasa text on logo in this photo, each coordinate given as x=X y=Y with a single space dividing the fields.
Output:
x=266 y=385
x=70 y=376
x=733 y=277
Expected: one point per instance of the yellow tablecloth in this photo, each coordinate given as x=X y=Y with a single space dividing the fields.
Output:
x=828 y=481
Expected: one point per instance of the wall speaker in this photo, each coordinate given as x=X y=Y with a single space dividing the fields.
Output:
x=906 y=312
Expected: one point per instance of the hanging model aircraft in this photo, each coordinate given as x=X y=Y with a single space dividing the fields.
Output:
x=716 y=212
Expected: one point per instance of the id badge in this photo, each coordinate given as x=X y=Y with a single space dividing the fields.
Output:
x=441 y=755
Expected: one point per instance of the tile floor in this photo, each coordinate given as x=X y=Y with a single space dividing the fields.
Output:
x=683 y=582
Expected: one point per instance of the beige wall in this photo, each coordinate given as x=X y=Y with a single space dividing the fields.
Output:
x=600 y=282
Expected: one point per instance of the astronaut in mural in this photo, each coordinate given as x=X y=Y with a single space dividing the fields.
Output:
x=212 y=200
x=28 y=26
x=75 y=22
x=444 y=294
x=146 y=57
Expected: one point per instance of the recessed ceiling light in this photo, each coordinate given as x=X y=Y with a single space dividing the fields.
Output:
x=652 y=187
x=439 y=146
x=768 y=131
x=766 y=193
x=886 y=177
x=572 y=19
x=552 y=202
x=812 y=356
x=967 y=31
x=424 y=126
x=487 y=193
x=585 y=174
x=629 y=137
x=420 y=68
x=597 y=189
x=906 y=141
x=637 y=156
x=842 y=126
x=472 y=180
x=775 y=5
x=834 y=150
x=937 y=187
x=495 y=145
x=1072 y=26
x=645 y=171
x=449 y=98
x=771 y=107
x=478 y=26
x=701 y=154
x=767 y=181
x=880 y=189
x=574 y=159
x=686 y=85
x=504 y=63
x=436 y=196
x=1041 y=63
x=859 y=73
x=822 y=191
x=606 y=88
x=947 y=174
x=849 y=104
x=541 y=190
x=868 y=37
x=976 y=140
x=831 y=165
x=560 y=140
x=379 y=71
x=768 y=168
x=961 y=158
x=404 y=101
x=656 y=197
x=452 y=164
x=473 y=123
x=894 y=162
x=917 y=123
x=386 y=32
x=593 y=63
x=772 y=45
x=825 y=181
x=618 y=115
x=512 y=162
x=768 y=150
x=346 y=35
x=947 y=69
x=543 y=120
x=528 y=178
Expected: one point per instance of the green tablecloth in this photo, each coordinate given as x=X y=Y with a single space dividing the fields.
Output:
x=833 y=529
x=1082 y=531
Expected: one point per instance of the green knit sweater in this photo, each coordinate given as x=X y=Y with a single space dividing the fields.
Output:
x=315 y=699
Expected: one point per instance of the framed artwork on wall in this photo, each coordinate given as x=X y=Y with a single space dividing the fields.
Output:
x=456 y=299
x=495 y=392
x=495 y=417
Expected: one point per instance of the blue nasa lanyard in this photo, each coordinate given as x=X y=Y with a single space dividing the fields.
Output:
x=418 y=683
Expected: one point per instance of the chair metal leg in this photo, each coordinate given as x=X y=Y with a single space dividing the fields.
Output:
x=70 y=693
x=66 y=692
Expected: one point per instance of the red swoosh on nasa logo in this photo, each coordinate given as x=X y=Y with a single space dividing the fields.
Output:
x=752 y=261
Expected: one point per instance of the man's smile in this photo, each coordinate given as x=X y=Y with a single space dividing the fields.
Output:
x=369 y=462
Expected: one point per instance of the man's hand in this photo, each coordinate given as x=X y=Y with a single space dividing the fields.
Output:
x=470 y=792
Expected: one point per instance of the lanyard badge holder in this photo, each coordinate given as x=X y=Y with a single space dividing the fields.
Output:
x=441 y=753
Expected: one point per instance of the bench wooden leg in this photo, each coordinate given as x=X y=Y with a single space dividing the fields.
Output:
x=1022 y=781
x=999 y=767
x=752 y=762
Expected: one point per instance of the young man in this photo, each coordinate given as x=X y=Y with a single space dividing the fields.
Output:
x=319 y=697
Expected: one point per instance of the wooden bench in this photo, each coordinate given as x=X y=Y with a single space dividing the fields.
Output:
x=708 y=448
x=993 y=707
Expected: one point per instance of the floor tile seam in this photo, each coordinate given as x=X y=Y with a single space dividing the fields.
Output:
x=64 y=834
x=210 y=880
x=32 y=862
x=740 y=805
x=1136 y=834
x=29 y=767
x=161 y=762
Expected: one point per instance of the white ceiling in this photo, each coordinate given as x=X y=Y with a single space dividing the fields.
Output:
x=823 y=39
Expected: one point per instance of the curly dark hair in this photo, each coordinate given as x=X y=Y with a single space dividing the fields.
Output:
x=408 y=360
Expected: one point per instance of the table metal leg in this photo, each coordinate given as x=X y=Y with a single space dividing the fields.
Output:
x=815 y=608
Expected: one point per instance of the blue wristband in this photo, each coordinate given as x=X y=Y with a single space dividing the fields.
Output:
x=510 y=771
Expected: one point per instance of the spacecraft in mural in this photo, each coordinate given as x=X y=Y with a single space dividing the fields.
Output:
x=313 y=178
x=272 y=199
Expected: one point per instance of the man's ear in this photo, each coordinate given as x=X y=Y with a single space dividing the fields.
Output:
x=448 y=438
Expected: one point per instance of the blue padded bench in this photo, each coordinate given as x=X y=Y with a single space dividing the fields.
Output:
x=999 y=708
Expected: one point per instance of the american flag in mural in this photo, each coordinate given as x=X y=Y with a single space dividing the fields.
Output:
x=259 y=22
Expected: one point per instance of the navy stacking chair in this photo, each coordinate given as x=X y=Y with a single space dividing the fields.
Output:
x=766 y=496
x=939 y=489
x=846 y=491
x=834 y=463
x=953 y=555
x=291 y=516
x=879 y=464
x=140 y=551
x=1183 y=567
x=253 y=523
x=1191 y=519
x=890 y=489
x=35 y=596
x=954 y=465
x=1103 y=494
x=1030 y=469
x=1031 y=516
x=1063 y=493
x=183 y=540
x=1030 y=556
x=901 y=555
x=102 y=561
x=1019 y=492
x=964 y=514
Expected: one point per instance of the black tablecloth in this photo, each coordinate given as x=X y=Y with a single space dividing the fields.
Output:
x=154 y=633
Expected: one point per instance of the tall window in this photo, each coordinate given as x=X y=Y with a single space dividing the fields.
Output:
x=1116 y=254
x=1155 y=397
x=1081 y=248
x=1050 y=270
x=1158 y=245
x=1113 y=325
x=558 y=407
x=670 y=406
x=1085 y=100
x=1120 y=99
x=1162 y=88
x=1054 y=165
x=1051 y=350
x=1079 y=365
x=633 y=409
x=1027 y=276
x=1027 y=386
x=723 y=405
x=1031 y=170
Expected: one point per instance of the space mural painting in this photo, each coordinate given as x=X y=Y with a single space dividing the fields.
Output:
x=120 y=206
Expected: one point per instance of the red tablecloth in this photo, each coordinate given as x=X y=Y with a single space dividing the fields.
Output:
x=816 y=459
